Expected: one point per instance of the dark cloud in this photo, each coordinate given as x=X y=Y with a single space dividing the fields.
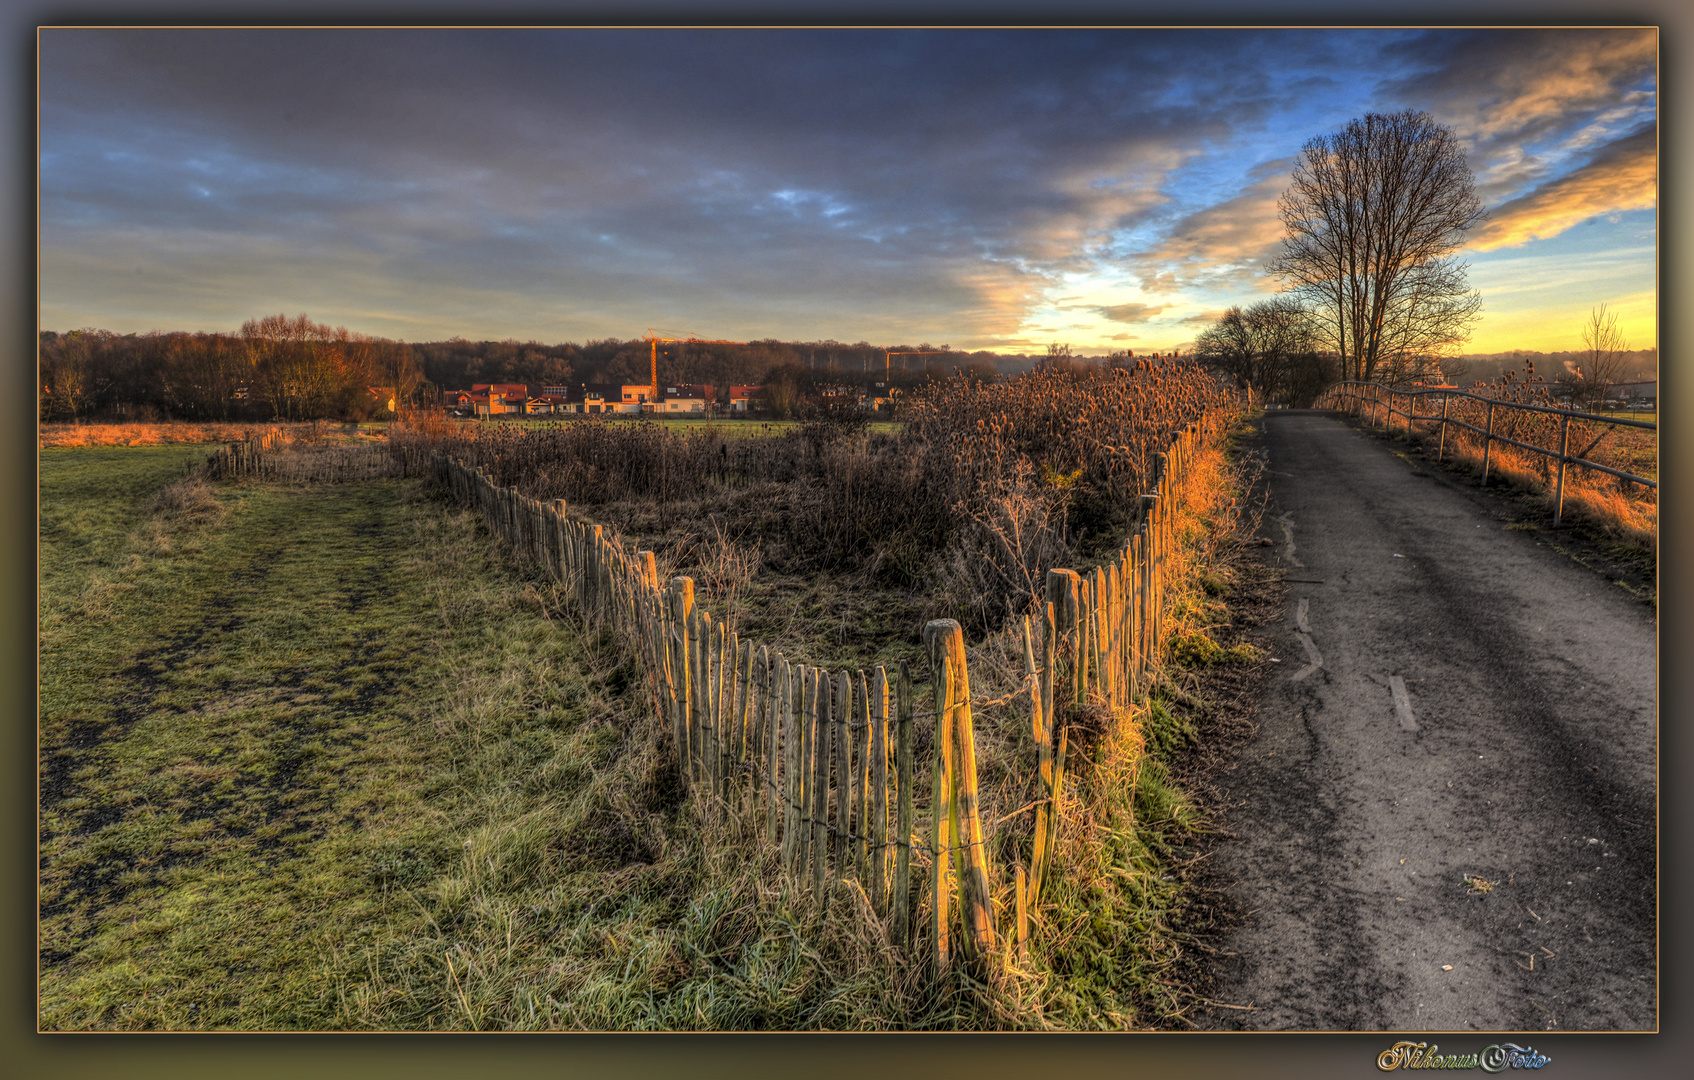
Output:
x=1506 y=89
x=926 y=184
x=1130 y=313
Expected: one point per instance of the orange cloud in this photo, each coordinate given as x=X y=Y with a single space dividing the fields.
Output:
x=1231 y=237
x=1488 y=95
x=1000 y=294
x=1623 y=176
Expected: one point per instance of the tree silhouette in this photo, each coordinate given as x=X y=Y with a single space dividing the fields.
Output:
x=1373 y=217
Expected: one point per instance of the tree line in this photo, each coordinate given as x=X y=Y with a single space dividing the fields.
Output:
x=291 y=368
x=275 y=367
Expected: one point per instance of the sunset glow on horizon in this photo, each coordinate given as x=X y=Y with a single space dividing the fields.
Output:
x=987 y=189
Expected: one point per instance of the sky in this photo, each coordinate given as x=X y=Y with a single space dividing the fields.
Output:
x=991 y=189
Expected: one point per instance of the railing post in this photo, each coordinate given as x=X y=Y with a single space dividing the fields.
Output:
x=1441 y=449
x=1564 y=451
x=1487 y=444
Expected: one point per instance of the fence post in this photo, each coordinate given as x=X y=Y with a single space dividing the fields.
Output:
x=941 y=840
x=682 y=611
x=879 y=790
x=819 y=710
x=1564 y=451
x=903 y=773
x=946 y=643
x=1441 y=449
x=1487 y=444
x=861 y=783
x=801 y=695
x=843 y=756
x=1064 y=589
x=790 y=766
x=1043 y=735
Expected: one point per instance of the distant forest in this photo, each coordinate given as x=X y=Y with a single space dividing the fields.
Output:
x=292 y=368
x=1637 y=365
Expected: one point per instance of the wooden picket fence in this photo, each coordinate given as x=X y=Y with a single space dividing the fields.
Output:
x=248 y=458
x=821 y=765
x=256 y=458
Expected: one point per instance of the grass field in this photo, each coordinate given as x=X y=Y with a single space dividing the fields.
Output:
x=320 y=758
x=286 y=737
x=323 y=758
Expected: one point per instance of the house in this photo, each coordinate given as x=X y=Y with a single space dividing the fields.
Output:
x=487 y=399
x=545 y=404
x=597 y=399
x=480 y=403
x=880 y=399
x=686 y=399
x=740 y=396
x=1635 y=391
x=507 y=391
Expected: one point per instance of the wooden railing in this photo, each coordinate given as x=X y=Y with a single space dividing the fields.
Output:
x=822 y=765
x=1379 y=400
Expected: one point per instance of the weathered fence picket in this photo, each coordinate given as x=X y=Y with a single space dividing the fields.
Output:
x=821 y=764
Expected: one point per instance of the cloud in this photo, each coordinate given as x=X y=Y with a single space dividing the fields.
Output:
x=1517 y=85
x=1130 y=313
x=1622 y=175
x=1225 y=243
x=563 y=184
x=1202 y=318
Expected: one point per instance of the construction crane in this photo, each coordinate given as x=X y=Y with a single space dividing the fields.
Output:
x=888 y=354
x=655 y=339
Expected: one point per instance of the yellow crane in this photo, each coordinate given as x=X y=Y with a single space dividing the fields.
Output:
x=654 y=339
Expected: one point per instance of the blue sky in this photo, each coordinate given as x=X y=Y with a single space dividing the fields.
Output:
x=985 y=189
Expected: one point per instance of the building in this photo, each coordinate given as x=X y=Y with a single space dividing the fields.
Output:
x=545 y=404
x=600 y=399
x=686 y=399
x=480 y=401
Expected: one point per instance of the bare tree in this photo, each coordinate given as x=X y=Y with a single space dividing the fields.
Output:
x=64 y=372
x=1373 y=218
x=1602 y=366
x=1258 y=347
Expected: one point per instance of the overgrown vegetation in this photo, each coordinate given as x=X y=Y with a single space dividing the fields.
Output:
x=347 y=711
x=986 y=487
x=1621 y=509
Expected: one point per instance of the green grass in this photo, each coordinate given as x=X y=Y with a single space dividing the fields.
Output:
x=327 y=761
x=322 y=758
x=276 y=748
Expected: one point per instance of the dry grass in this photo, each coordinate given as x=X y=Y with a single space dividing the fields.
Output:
x=1623 y=510
x=73 y=435
x=683 y=927
x=987 y=486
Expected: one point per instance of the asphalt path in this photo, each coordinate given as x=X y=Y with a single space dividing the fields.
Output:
x=1447 y=819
